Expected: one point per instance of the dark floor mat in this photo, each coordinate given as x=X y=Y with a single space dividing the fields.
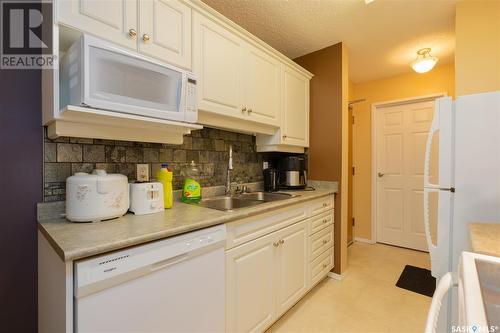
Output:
x=418 y=280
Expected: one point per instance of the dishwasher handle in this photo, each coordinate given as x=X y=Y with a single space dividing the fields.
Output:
x=168 y=262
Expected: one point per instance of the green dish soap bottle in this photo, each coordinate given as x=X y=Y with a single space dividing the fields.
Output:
x=192 y=189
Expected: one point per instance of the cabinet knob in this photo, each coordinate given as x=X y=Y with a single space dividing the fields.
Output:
x=276 y=244
x=132 y=33
x=325 y=241
x=324 y=265
x=249 y=110
x=282 y=241
x=324 y=204
x=325 y=220
x=146 y=37
x=284 y=137
x=243 y=109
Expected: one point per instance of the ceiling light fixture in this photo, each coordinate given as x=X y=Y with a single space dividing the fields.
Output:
x=424 y=62
x=368 y=1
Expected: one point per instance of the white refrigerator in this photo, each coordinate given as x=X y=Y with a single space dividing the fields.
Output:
x=465 y=187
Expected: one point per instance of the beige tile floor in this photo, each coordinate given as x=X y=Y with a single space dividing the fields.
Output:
x=366 y=300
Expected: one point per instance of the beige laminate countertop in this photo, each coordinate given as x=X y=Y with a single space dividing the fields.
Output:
x=74 y=241
x=485 y=238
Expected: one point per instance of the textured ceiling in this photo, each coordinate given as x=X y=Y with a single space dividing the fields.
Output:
x=382 y=37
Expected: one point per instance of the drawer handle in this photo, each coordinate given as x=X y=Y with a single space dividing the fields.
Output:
x=276 y=244
x=146 y=38
x=325 y=204
x=243 y=109
x=325 y=220
x=282 y=241
x=284 y=137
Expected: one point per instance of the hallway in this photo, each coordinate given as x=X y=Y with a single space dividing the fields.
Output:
x=366 y=300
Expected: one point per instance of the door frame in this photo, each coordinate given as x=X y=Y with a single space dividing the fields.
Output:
x=374 y=120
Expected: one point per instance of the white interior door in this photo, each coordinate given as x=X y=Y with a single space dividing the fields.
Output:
x=401 y=138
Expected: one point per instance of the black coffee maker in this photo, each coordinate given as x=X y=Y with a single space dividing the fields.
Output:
x=292 y=172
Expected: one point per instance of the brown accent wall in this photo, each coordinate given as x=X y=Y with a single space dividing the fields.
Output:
x=325 y=127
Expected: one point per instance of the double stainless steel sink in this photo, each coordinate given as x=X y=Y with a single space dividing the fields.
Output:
x=243 y=200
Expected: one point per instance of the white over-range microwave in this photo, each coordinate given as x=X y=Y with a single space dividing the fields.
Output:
x=97 y=74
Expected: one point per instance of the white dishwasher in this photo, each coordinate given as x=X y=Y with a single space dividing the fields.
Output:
x=173 y=285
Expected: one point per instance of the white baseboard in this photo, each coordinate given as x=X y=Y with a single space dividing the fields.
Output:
x=364 y=240
x=336 y=276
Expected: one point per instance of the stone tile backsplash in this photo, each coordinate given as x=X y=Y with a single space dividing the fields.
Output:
x=207 y=147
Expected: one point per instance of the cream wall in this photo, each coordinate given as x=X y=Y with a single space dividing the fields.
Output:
x=440 y=80
x=477 y=53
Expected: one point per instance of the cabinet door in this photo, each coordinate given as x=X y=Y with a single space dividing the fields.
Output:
x=292 y=266
x=295 y=125
x=250 y=274
x=165 y=31
x=262 y=87
x=108 y=19
x=217 y=54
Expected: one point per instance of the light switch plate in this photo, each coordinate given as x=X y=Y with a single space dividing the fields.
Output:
x=142 y=172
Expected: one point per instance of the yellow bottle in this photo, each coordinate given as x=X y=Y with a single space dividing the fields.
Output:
x=165 y=176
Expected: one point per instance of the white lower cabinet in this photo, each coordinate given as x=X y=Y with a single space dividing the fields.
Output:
x=273 y=260
x=250 y=271
x=265 y=277
x=292 y=266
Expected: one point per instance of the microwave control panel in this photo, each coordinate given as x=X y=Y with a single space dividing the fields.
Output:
x=191 y=95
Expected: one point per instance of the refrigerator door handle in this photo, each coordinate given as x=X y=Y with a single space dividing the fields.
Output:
x=428 y=149
x=432 y=248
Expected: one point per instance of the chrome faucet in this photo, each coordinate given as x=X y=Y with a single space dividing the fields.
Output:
x=227 y=190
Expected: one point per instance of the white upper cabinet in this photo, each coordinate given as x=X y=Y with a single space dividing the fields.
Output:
x=295 y=124
x=243 y=84
x=293 y=134
x=217 y=54
x=262 y=87
x=238 y=80
x=157 y=28
x=108 y=19
x=165 y=31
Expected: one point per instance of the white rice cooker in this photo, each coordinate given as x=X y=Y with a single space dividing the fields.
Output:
x=96 y=197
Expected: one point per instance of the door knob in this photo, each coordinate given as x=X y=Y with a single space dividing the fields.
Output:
x=132 y=33
x=380 y=174
x=146 y=37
